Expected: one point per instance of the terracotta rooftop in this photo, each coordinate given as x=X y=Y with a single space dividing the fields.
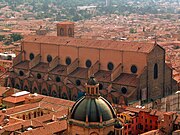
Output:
x=15 y=100
x=51 y=116
x=104 y=76
x=35 y=97
x=137 y=110
x=40 y=125
x=65 y=22
x=62 y=102
x=50 y=106
x=142 y=47
x=41 y=67
x=60 y=70
x=22 y=65
x=80 y=73
x=4 y=89
x=48 y=129
x=127 y=79
x=18 y=109
x=11 y=120
x=18 y=125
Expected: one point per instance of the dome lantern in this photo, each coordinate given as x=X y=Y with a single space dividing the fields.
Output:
x=92 y=87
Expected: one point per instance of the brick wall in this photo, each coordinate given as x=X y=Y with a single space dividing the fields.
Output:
x=156 y=85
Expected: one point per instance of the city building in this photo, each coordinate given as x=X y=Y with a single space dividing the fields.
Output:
x=36 y=116
x=90 y=115
x=6 y=61
x=138 y=120
x=89 y=9
x=59 y=66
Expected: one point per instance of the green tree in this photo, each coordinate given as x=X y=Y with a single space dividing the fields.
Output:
x=2 y=37
x=132 y=30
x=15 y=37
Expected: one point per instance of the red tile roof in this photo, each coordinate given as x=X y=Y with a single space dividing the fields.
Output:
x=48 y=129
x=4 y=89
x=65 y=22
x=15 y=100
x=142 y=47
x=18 y=109
x=80 y=73
x=60 y=70
x=137 y=110
x=23 y=65
x=127 y=79
x=58 y=101
x=104 y=76
x=41 y=67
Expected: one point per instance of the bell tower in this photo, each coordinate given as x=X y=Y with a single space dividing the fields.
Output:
x=65 y=29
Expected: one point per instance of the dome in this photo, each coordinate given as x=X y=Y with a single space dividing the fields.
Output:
x=92 y=81
x=92 y=108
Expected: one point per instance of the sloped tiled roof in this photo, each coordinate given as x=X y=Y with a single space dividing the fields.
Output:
x=127 y=79
x=143 y=47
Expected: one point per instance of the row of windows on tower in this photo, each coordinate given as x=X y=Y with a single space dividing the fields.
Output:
x=70 y=32
x=92 y=91
x=88 y=63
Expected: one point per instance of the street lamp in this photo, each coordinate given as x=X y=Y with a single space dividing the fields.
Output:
x=178 y=92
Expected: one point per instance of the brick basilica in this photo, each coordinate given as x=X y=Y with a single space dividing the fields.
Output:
x=60 y=65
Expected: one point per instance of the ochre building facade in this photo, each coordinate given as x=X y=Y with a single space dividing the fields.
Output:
x=60 y=65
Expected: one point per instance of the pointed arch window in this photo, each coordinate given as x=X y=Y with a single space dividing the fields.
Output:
x=62 y=32
x=44 y=92
x=54 y=93
x=34 y=114
x=29 y=115
x=155 y=71
x=24 y=117
x=35 y=90
x=17 y=86
x=26 y=88
x=70 y=32
x=64 y=96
